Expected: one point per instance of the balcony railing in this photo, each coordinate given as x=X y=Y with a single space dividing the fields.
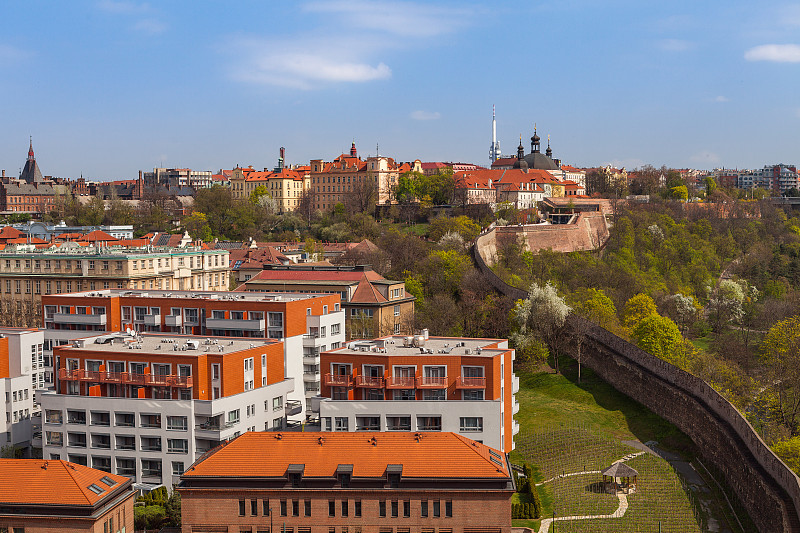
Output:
x=470 y=383
x=214 y=426
x=173 y=320
x=397 y=382
x=338 y=380
x=97 y=376
x=69 y=318
x=293 y=407
x=432 y=382
x=152 y=320
x=232 y=323
x=370 y=382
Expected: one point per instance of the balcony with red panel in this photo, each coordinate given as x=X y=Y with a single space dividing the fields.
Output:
x=432 y=382
x=470 y=383
x=125 y=378
x=338 y=380
x=370 y=382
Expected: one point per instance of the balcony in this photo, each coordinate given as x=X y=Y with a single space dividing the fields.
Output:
x=293 y=407
x=370 y=382
x=397 y=382
x=311 y=359
x=432 y=382
x=310 y=377
x=338 y=380
x=96 y=376
x=69 y=318
x=174 y=321
x=152 y=320
x=214 y=425
x=311 y=340
x=230 y=323
x=515 y=408
x=470 y=383
x=515 y=384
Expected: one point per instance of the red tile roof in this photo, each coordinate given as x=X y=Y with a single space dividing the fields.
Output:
x=38 y=481
x=437 y=455
x=9 y=232
x=366 y=293
x=98 y=235
x=316 y=275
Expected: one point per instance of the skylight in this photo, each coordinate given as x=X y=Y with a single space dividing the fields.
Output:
x=495 y=454
x=108 y=481
x=496 y=461
x=97 y=490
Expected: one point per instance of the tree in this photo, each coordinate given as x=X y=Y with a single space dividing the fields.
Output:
x=659 y=336
x=197 y=226
x=363 y=197
x=11 y=451
x=780 y=353
x=594 y=305
x=258 y=193
x=711 y=185
x=637 y=309
x=542 y=314
x=789 y=451
x=680 y=192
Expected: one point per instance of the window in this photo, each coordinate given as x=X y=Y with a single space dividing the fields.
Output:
x=398 y=423
x=435 y=395
x=331 y=508
x=335 y=329
x=345 y=509
x=215 y=371
x=307 y=507
x=424 y=508
x=277 y=403
x=382 y=508
x=396 y=310
x=474 y=395
x=275 y=325
x=471 y=423
x=177 y=423
x=233 y=416
x=341 y=423
x=254 y=507
x=283 y=508
x=448 y=508
x=404 y=394
x=395 y=509
x=241 y=507
x=177 y=468
x=265 y=510
x=436 y=508
x=357 y=508
x=406 y=509
x=177 y=446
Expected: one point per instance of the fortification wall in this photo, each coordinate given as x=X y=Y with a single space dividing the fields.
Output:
x=766 y=486
x=768 y=489
x=587 y=233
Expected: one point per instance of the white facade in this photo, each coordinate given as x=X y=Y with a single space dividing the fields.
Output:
x=324 y=332
x=153 y=441
x=27 y=374
x=478 y=420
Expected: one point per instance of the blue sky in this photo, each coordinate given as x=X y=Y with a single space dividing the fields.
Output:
x=109 y=87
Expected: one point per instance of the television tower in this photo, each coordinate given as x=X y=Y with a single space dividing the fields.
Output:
x=494 y=149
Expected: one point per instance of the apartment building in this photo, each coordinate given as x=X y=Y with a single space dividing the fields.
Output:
x=307 y=324
x=373 y=305
x=146 y=406
x=285 y=185
x=40 y=495
x=178 y=178
x=347 y=175
x=27 y=273
x=347 y=482
x=23 y=370
x=421 y=383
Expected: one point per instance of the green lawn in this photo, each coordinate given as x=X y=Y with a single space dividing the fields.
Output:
x=569 y=427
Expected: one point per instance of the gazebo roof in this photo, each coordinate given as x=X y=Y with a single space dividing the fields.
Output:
x=619 y=470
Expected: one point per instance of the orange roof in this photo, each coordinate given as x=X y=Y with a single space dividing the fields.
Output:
x=367 y=293
x=38 y=481
x=439 y=455
x=98 y=235
x=9 y=232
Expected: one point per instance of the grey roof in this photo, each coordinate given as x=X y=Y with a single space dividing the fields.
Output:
x=619 y=470
x=540 y=161
x=31 y=172
x=28 y=188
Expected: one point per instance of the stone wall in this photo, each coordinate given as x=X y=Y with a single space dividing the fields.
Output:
x=765 y=485
x=588 y=232
x=768 y=489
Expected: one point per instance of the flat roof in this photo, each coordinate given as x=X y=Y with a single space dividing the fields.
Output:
x=167 y=344
x=264 y=296
x=406 y=345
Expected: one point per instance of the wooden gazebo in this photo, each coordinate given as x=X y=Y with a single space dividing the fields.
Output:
x=622 y=472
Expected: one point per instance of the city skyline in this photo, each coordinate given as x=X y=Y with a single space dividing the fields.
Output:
x=108 y=88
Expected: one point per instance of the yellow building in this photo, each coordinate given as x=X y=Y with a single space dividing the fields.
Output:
x=286 y=185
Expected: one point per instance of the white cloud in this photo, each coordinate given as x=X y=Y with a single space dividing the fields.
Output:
x=675 y=45
x=11 y=54
x=395 y=17
x=122 y=6
x=151 y=26
x=722 y=99
x=346 y=46
x=779 y=53
x=426 y=115
x=705 y=157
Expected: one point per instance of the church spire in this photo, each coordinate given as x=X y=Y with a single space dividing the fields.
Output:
x=549 y=151
x=30 y=150
x=535 y=147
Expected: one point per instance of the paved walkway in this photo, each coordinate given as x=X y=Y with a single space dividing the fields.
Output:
x=562 y=476
x=619 y=513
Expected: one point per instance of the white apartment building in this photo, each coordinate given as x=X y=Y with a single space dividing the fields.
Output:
x=22 y=373
x=148 y=406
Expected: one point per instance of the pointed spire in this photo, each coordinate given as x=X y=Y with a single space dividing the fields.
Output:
x=549 y=151
x=30 y=150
